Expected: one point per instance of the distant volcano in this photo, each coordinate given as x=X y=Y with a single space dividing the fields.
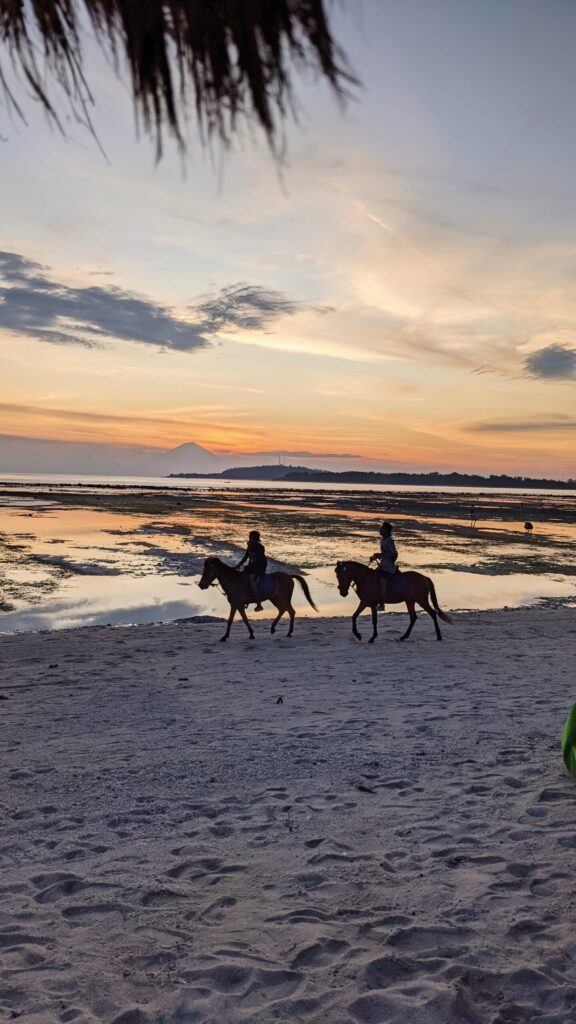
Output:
x=186 y=458
x=38 y=455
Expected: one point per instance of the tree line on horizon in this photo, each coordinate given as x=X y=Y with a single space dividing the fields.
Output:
x=302 y=474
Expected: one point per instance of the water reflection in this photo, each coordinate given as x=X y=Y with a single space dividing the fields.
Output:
x=67 y=563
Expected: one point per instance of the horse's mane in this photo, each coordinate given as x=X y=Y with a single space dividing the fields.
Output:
x=350 y=563
x=219 y=561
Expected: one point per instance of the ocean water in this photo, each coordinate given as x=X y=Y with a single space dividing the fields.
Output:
x=85 y=551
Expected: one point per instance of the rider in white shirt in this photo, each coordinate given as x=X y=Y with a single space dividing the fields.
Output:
x=388 y=556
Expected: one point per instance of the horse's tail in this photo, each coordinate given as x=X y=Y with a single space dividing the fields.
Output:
x=305 y=588
x=443 y=616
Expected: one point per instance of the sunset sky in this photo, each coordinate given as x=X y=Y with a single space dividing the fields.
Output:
x=402 y=294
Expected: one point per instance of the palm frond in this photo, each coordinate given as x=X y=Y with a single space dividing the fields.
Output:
x=222 y=59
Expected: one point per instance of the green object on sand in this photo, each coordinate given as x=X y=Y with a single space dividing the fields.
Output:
x=569 y=743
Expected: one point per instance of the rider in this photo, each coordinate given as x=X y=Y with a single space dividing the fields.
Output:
x=388 y=556
x=255 y=556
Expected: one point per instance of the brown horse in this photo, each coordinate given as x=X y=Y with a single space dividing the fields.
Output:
x=238 y=590
x=410 y=587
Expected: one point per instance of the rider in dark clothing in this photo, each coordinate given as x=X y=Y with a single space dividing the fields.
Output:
x=255 y=556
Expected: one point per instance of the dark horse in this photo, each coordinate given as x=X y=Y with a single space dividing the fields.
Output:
x=238 y=590
x=411 y=587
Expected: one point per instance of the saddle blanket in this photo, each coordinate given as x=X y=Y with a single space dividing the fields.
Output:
x=265 y=584
x=397 y=583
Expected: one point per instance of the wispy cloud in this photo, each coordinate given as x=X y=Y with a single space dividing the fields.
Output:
x=164 y=429
x=36 y=306
x=536 y=425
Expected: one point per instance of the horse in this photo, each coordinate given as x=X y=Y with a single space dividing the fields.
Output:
x=238 y=590
x=410 y=587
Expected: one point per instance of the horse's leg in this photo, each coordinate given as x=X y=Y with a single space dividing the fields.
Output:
x=233 y=611
x=425 y=604
x=359 y=609
x=279 y=616
x=242 y=611
x=413 y=617
x=287 y=598
x=374 y=623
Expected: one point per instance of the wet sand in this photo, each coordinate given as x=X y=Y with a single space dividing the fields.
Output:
x=307 y=830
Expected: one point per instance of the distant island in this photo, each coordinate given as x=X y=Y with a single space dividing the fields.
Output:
x=302 y=475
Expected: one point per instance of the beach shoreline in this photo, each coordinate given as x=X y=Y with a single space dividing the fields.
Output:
x=305 y=829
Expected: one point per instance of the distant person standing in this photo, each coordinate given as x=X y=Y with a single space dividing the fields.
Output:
x=388 y=556
x=472 y=517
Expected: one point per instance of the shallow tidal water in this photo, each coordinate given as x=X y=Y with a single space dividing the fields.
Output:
x=86 y=555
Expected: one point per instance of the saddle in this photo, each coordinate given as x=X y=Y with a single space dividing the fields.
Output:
x=394 y=581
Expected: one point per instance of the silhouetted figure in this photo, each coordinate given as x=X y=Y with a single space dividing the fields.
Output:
x=472 y=516
x=528 y=527
x=388 y=556
x=255 y=556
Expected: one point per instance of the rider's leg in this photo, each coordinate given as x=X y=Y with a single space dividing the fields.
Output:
x=383 y=591
x=256 y=592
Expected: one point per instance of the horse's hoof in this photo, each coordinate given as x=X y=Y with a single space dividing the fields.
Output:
x=372 y=639
x=223 y=639
x=400 y=639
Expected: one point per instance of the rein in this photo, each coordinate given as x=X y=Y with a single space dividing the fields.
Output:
x=358 y=573
x=224 y=574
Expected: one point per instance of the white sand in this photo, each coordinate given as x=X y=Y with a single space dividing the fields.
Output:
x=394 y=842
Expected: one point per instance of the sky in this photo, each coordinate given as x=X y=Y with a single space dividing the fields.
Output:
x=399 y=294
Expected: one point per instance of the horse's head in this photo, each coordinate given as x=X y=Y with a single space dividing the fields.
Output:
x=343 y=577
x=209 y=573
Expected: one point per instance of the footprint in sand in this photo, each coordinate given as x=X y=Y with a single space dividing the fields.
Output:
x=436 y=938
x=162 y=897
x=385 y=971
x=320 y=954
x=250 y=987
x=216 y=912
x=94 y=909
x=65 y=887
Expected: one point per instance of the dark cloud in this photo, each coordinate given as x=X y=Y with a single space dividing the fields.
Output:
x=549 y=423
x=34 y=305
x=555 y=362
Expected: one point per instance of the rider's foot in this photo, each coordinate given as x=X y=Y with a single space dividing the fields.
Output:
x=381 y=606
x=258 y=607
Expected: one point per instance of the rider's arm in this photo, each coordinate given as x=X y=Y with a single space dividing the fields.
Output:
x=244 y=558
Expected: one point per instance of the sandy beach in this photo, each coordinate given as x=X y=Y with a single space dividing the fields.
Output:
x=305 y=830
